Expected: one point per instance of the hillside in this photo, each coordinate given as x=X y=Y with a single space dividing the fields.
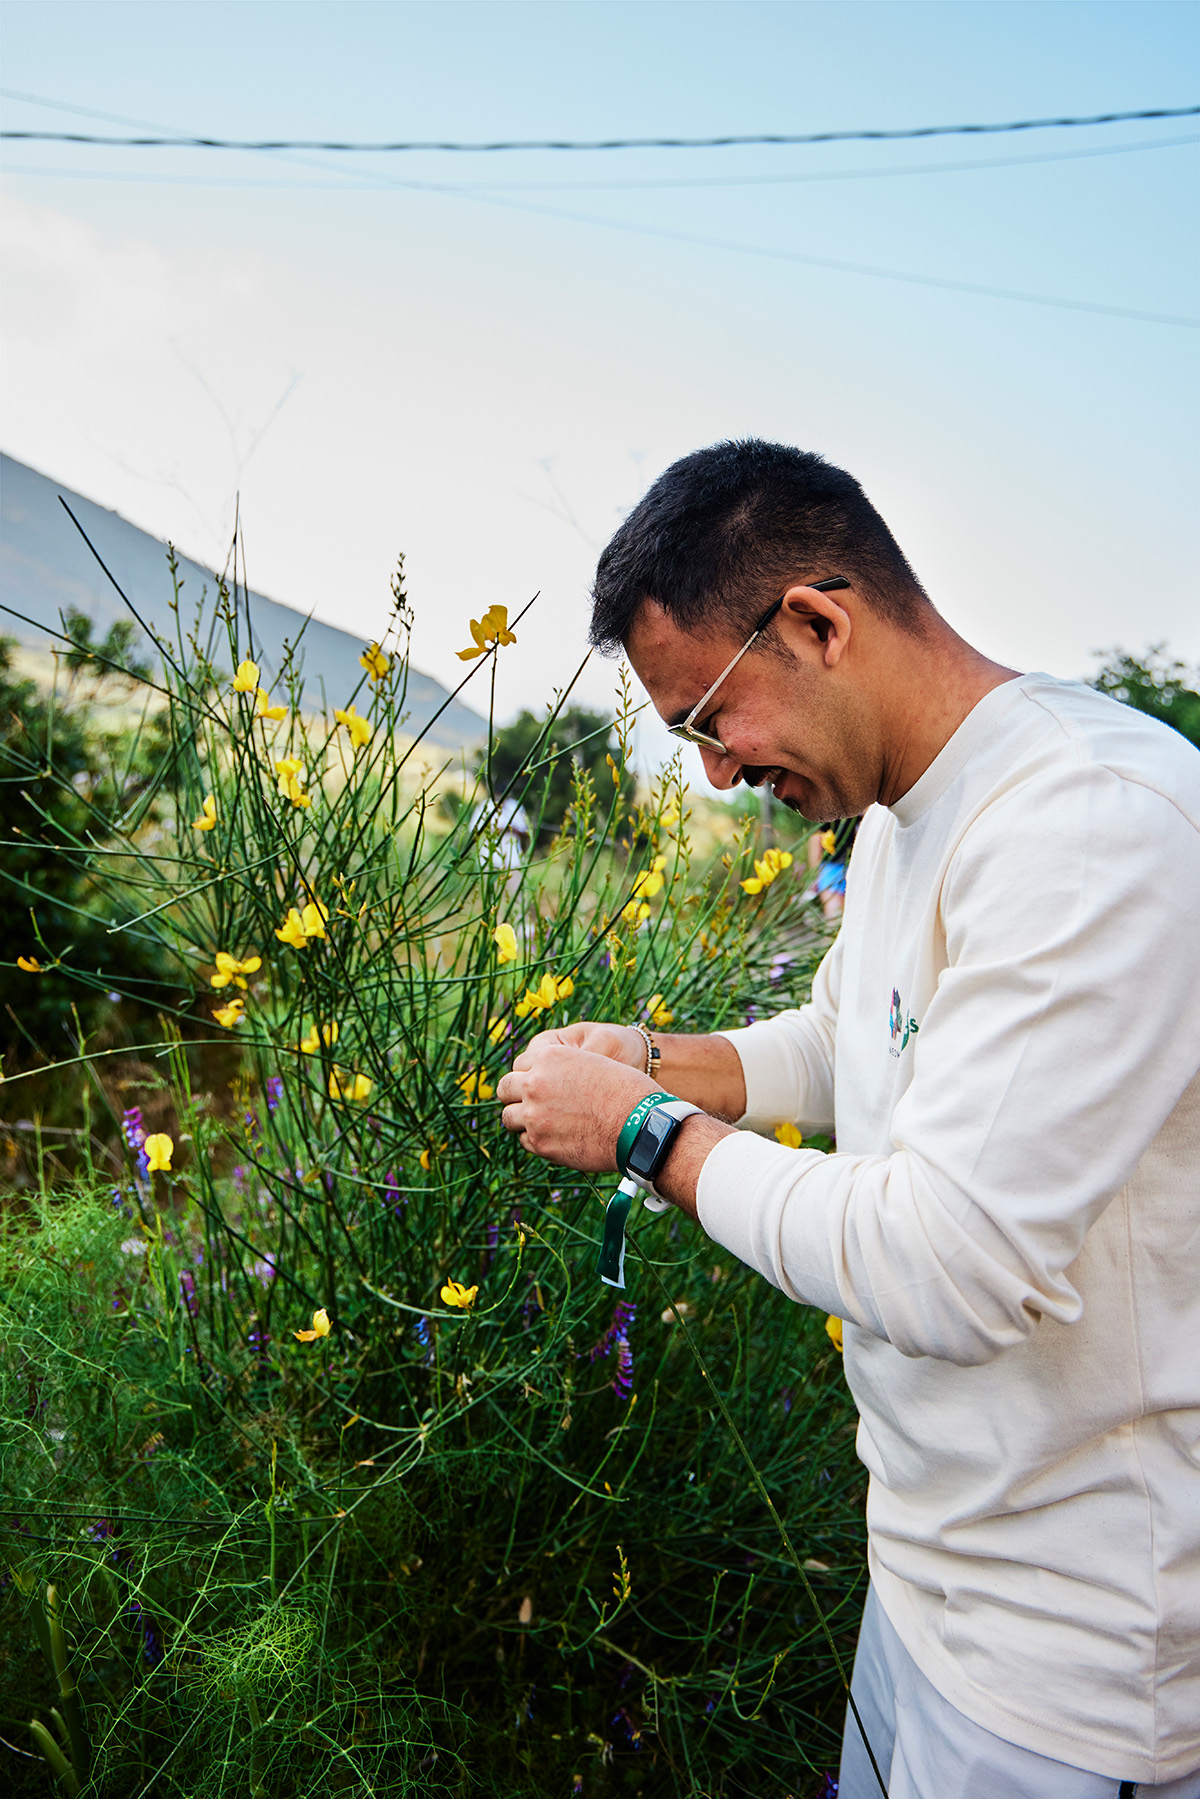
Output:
x=45 y=567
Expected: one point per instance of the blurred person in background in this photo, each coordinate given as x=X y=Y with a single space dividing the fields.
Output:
x=1008 y=1226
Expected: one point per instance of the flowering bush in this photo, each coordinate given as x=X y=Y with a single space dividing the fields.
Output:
x=390 y=1496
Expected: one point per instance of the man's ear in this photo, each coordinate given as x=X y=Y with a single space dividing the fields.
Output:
x=815 y=620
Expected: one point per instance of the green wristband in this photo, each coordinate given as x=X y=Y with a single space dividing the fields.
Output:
x=634 y=1123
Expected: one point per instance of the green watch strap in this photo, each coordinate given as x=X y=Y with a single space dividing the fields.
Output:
x=634 y=1123
x=610 y=1264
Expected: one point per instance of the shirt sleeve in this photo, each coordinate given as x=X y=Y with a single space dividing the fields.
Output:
x=787 y=1061
x=1061 y=1033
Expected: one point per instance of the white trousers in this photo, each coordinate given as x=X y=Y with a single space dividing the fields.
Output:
x=926 y=1749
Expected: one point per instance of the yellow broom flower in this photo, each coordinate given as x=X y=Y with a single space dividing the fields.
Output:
x=660 y=1018
x=491 y=629
x=375 y=662
x=343 y=1085
x=292 y=930
x=833 y=1330
x=291 y=784
x=208 y=815
x=766 y=868
x=311 y=1043
x=30 y=964
x=475 y=1086
x=230 y=1014
x=229 y=969
x=159 y=1149
x=246 y=678
x=263 y=707
x=313 y=918
x=788 y=1135
x=455 y=1294
x=321 y=1327
x=360 y=731
x=547 y=993
x=505 y=939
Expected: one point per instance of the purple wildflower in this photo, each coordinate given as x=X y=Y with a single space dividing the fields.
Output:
x=274 y=1091
x=616 y=1337
x=133 y=1127
x=187 y=1286
x=239 y=1177
x=622 y=1384
x=264 y=1270
x=830 y=1789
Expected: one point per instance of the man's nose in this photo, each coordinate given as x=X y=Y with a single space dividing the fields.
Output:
x=723 y=771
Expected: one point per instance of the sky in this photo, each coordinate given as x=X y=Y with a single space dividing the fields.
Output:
x=482 y=360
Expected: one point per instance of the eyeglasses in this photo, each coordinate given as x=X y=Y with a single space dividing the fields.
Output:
x=687 y=730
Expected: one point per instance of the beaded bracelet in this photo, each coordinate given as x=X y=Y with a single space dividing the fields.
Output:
x=653 y=1053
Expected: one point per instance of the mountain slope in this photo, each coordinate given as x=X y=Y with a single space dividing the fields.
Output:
x=45 y=566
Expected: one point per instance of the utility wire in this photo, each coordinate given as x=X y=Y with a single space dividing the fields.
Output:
x=613 y=143
x=339 y=185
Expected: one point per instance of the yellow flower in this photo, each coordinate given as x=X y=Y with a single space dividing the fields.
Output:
x=765 y=870
x=635 y=913
x=426 y=1156
x=208 y=815
x=505 y=939
x=660 y=1018
x=349 y=1086
x=311 y=1043
x=292 y=930
x=497 y=1030
x=291 y=771
x=475 y=1086
x=159 y=1149
x=375 y=662
x=546 y=994
x=30 y=964
x=670 y=817
x=788 y=1135
x=314 y=918
x=491 y=629
x=321 y=1327
x=651 y=881
x=263 y=707
x=833 y=1330
x=360 y=731
x=455 y=1294
x=231 y=1014
x=230 y=969
x=828 y=841
x=616 y=773
x=246 y=679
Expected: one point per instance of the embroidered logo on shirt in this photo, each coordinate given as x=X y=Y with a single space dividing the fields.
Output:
x=901 y=1028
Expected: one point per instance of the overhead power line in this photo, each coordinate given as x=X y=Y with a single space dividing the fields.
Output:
x=613 y=143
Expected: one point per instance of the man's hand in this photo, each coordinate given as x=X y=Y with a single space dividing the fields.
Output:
x=568 y=1103
x=619 y=1042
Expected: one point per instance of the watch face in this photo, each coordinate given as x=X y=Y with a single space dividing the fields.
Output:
x=651 y=1144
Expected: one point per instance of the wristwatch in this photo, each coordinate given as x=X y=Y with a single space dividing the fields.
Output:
x=652 y=1145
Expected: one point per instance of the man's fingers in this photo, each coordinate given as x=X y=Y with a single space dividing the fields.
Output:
x=511 y=1119
x=509 y=1088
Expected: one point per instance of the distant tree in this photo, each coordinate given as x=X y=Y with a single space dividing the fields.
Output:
x=112 y=655
x=577 y=739
x=1155 y=685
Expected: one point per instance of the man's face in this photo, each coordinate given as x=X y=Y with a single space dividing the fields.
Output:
x=784 y=714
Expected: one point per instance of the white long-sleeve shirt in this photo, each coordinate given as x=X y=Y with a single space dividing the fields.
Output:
x=1006 y=1040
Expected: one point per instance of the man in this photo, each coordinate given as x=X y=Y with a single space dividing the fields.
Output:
x=1006 y=1039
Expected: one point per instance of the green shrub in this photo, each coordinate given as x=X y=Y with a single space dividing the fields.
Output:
x=513 y=1546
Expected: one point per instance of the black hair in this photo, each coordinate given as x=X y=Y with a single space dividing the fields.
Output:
x=725 y=530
